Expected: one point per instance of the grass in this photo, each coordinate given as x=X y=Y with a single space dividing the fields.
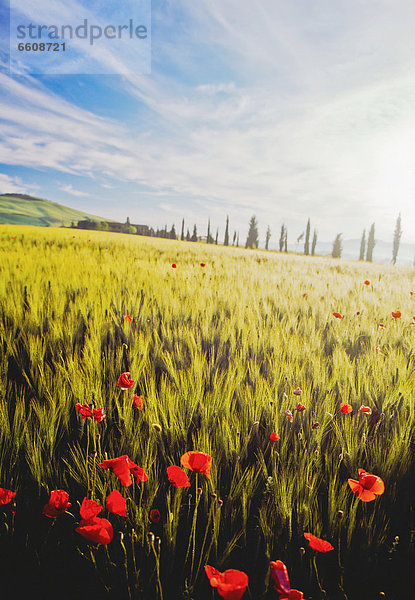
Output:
x=216 y=353
x=29 y=210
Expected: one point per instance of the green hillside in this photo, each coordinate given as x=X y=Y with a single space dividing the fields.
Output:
x=19 y=209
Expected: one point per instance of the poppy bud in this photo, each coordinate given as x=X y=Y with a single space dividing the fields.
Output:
x=382 y=595
x=93 y=454
x=220 y=502
x=340 y=514
x=199 y=490
x=151 y=537
x=255 y=423
x=213 y=496
x=300 y=435
x=302 y=551
x=157 y=427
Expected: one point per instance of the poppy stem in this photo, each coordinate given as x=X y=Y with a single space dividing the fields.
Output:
x=157 y=557
x=204 y=542
x=339 y=558
x=124 y=549
x=322 y=592
x=192 y=540
x=87 y=457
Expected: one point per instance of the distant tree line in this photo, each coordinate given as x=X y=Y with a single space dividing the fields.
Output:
x=367 y=245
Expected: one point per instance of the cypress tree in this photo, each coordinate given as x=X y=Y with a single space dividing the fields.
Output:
x=267 y=238
x=282 y=238
x=396 y=239
x=226 y=239
x=188 y=236
x=182 y=234
x=194 y=236
x=370 y=243
x=337 y=246
x=252 y=239
x=314 y=243
x=307 y=238
x=362 y=246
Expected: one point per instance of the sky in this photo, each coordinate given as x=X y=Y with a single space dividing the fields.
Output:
x=286 y=110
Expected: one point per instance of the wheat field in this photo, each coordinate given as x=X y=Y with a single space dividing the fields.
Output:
x=216 y=352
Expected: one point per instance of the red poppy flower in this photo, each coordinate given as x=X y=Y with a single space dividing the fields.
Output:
x=337 y=315
x=305 y=295
x=57 y=505
x=115 y=503
x=288 y=414
x=84 y=410
x=174 y=265
x=125 y=382
x=346 y=408
x=368 y=487
x=366 y=282
x=365 y=409
x=121 y=467
x=317 y=543
x=381 y=326
x=315 y=425
x=397 y=314
x=177 y=477
x=202 y=264
x=281 y=581
x=298 y=391
x=128 y=318
x=231 y=584
x=98 y=414
x=300 y=407
x=139 y=474
x=138 y=401
x=155 y=515
x=89 y=509
x=6 y=496
x=274 y=437
x=199 y=462
x=96 y=530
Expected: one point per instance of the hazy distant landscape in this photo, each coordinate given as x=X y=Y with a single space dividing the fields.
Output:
x=22 y=209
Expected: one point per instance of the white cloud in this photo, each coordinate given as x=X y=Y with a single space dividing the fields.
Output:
x=69 y=190
x=318 y=119
x=14 y=185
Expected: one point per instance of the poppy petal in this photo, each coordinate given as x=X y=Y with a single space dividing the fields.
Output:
x=116 y=504
x=318 y=544
x=89 y=509
x=177 y=477
x=280 y=578
x=96 y=530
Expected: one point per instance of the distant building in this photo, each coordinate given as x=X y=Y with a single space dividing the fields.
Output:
x=119 y=228
x=142 y=229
